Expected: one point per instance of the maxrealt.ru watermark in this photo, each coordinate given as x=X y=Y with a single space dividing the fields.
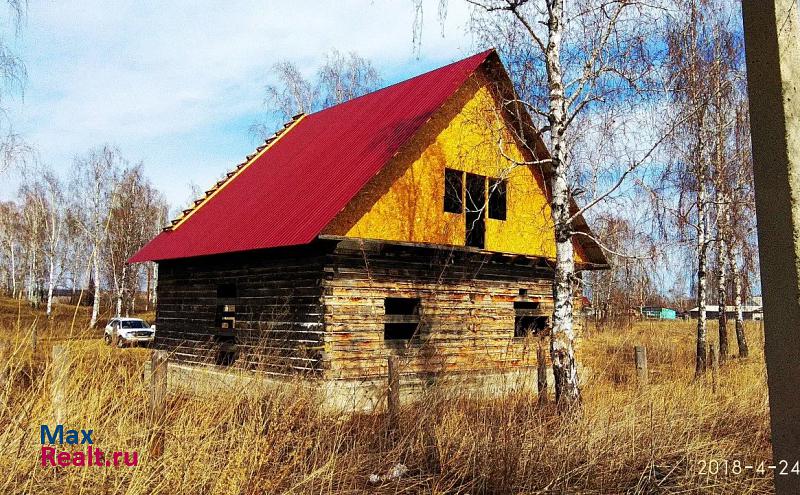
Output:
x=58 y=445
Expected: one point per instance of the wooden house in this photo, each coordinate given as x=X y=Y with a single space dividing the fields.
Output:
x=392 y=224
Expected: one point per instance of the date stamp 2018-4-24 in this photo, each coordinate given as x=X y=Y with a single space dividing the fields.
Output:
x=724 y=467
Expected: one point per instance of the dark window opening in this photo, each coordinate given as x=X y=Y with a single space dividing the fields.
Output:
x=523 y=292
x=475 y=206
x=226 y=291
x=401 y=318
x=453 y=191
x=528 y=319
x=497 y=199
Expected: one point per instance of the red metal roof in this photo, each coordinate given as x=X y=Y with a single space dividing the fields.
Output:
x=290 y=193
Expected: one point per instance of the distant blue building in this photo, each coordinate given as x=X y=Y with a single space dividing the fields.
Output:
x=658 y=313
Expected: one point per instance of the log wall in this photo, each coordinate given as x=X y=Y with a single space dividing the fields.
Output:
x=279 y=323
x=319 y=309
x=467 y=311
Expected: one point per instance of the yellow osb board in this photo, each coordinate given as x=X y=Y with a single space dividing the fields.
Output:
x=405 y=201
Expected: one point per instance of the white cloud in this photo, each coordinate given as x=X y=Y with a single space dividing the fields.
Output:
x=177 y=83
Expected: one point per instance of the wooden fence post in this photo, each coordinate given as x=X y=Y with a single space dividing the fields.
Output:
x=393 y=397
x=158 y=400
x=640 y=358
x=541 y=374
x=3 y=366
x=714 y=356
x=58 y=382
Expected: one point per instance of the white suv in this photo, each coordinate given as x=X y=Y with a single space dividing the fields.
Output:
x=130 y=331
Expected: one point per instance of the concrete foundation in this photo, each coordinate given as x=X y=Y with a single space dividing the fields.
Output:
x=364 y=395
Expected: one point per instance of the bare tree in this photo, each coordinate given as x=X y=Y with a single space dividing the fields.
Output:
x=689 y=173
x=727 y=77
x=55 y=214
x=34 y=232
x=629 y=283
x=341 y=78
x=12 y=80
x=135 y=208
x=701 y=176
x=741 y=222
x=570 y=58
x=45 y=222
x=10 y=235
x=344 y=77
x=92 y=188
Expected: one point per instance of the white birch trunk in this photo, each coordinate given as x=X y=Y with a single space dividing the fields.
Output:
x=51 y=282
x=722 y=268
x=562 y=351
x=13 y=273
x=722 y=213
x=96 y=274
x=741 y=339
x=31 y=272
x=120 y=290
x=701 y=278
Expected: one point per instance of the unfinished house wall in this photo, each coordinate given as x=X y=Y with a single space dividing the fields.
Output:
x=334 y=311
x=405 y=201
x=258 y=310
x=469 y=305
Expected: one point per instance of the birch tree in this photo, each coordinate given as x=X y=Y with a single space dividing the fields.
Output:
x=691 y=145
x=568 y=59
x=132 y=223
x=728 y=93
x=741 y=219
x=704 y=79
x=55 y=213
x=341 y=77
x=92 y=188
x=13 y=76
x=34 y=233
x=10 y=234
x=45 y=218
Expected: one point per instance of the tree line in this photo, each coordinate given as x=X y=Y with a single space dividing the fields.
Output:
x=77 y=232
x=74 y=232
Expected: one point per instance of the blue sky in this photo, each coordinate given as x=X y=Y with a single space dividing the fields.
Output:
x=177 y=84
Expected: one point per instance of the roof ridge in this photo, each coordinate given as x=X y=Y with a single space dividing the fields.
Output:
x=229 y=176
x=483 y=54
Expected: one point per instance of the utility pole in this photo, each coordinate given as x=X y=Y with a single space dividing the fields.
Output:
x=772 y=39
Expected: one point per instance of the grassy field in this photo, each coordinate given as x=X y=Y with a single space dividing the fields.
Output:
x=624 y=441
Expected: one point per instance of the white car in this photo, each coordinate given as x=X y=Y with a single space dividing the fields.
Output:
x=131 y=331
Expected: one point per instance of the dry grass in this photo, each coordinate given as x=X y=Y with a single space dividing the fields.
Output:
x=625 y=441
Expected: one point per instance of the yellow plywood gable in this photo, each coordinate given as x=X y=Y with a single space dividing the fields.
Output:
x=405 y=201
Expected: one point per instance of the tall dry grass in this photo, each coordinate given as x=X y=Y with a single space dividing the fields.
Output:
x=279 y=441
